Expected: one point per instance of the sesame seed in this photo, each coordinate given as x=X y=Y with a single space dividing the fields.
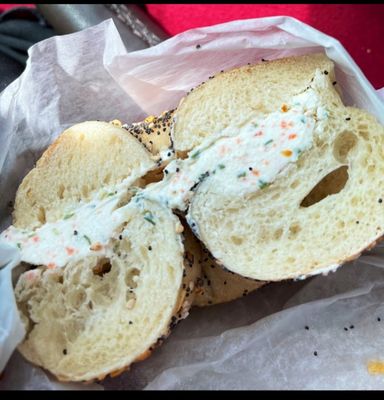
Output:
x=325 y=72
x=315 y=353
x=177 y=169
x=307 y=328
x=198 y=46
x=209 y=302
x=357 y=222
x=250 y=168
x=169 y=154
x=351 y=327
x=348 y=118
x=120 y=237
x=380 y=200
x=130 y=322
x=166 y=171
x=378 y=319
x=345 y=329
x=75 y=232
x=149 y=248
x=65 y=352
x=334 y=83
x=225 y=282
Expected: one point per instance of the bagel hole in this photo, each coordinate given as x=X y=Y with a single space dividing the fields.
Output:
x=332 y=183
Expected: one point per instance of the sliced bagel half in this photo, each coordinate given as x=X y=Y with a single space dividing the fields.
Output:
x=312 y=213
x=105 y=279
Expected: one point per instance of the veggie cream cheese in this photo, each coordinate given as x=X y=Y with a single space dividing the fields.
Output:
x=238 y=161
x=84 y=230
x=244 y=159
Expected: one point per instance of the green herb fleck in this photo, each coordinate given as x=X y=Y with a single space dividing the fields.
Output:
x=87 y=239
x=195 y=154
x=67 y=216
x=263 y=184
x=302 y=119
x=56 y=231
x=19 y=245
x=110 y=194
x=268 y=142
x=149 y=217
x=221 y=166
x=242 y=175
x=31 y=234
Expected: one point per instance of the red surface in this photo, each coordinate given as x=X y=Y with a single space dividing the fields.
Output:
x=360 y=28
x=4 y=7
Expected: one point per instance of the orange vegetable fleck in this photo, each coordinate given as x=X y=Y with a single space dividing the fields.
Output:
x=96 y=246
x=284 y=108
x=51 y=265
x=35 y=239
x=375 y=367
x=69 y=250
x=255 y=172
x=286 y=153
x=283 y=124
x=223 y=150
x=259 y=133
x=292 y=136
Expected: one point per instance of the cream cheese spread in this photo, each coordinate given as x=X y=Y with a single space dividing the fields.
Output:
x=84 y=230
x=238 y=161
x=244 y=159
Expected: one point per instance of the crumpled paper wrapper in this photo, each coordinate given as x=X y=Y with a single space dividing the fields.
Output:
x=326 y=332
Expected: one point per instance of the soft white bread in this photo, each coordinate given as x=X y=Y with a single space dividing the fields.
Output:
x=298 y=225
x=235 y=96
x=83 y=158
x=98 y=314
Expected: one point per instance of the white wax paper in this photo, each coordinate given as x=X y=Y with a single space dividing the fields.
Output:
x=257 y=342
